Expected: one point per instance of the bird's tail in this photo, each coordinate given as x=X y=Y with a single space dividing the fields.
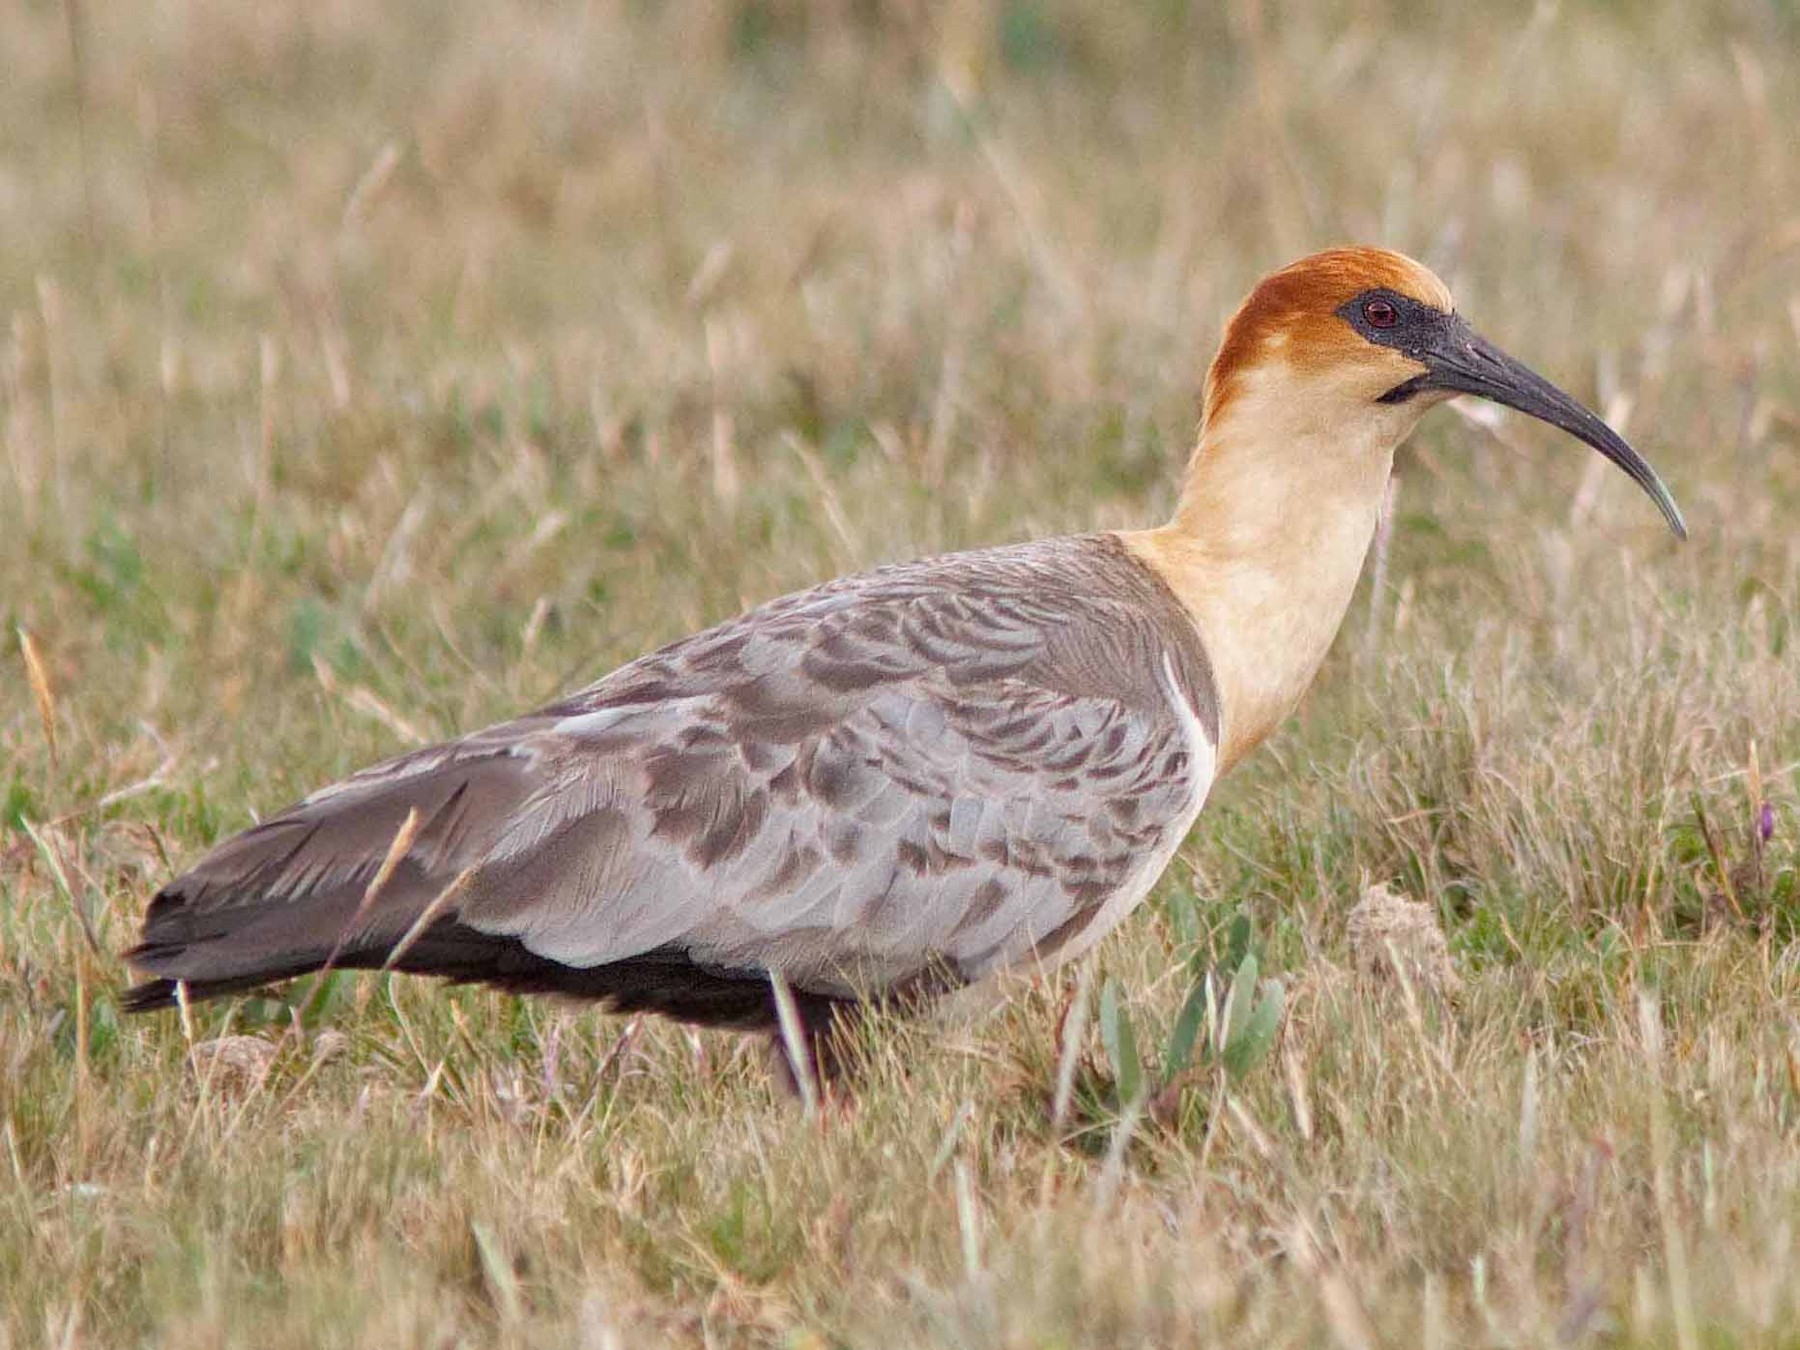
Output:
x=364 y=875
x=403 y=867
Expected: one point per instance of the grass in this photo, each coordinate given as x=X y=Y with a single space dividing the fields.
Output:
x=371 y=372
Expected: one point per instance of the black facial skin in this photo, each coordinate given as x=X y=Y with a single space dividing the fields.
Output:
x=1458 y=359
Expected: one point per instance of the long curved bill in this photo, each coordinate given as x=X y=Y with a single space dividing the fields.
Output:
x=1461 y=361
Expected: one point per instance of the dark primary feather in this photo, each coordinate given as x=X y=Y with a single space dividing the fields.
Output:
x=934 y=769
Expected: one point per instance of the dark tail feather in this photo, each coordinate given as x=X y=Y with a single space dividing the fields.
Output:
x=307 y=888
x=254 y=941
x=292 y=895
x=254 y=914
x=665 y=981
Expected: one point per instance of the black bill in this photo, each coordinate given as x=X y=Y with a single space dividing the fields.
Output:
x=1460 y=360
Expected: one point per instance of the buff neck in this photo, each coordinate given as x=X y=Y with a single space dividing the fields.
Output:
x=1278 y=508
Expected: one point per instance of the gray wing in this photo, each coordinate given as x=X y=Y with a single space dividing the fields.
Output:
x=959 y=762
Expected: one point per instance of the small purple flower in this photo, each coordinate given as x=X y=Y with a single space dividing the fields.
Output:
x=1765 y=822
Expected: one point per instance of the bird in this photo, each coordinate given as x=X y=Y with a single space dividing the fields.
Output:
x=897 y=783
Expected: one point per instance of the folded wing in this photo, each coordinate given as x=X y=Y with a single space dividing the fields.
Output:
x=937 y=768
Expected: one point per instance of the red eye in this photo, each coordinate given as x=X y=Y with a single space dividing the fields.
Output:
x=1381 y=314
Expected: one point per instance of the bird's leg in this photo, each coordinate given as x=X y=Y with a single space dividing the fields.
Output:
x=833 y=1028
x=827 y=1032
x=781 y=1067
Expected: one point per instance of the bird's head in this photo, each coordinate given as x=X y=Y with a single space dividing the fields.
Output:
x=1362 y=338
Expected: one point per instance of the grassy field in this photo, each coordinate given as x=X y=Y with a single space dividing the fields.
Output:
x=369 y=372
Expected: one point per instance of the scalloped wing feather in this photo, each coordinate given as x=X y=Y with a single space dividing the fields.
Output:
x=957 y=764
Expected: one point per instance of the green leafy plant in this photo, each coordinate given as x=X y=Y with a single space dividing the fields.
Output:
x=1229 y=1022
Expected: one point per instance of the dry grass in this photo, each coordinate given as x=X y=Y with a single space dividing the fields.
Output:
x=372 y=371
